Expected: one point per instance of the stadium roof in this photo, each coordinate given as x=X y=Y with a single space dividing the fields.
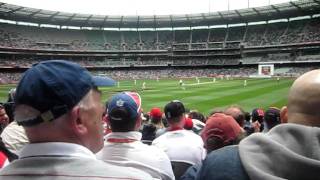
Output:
x=265 y=13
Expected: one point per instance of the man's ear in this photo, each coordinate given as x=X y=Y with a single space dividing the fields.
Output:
x=284 y=114
x=105 y=118
x=78 y=122
x=138 y=122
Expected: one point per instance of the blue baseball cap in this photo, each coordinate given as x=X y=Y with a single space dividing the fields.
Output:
x=53 y=87
x=103 y=81
x=129 y=102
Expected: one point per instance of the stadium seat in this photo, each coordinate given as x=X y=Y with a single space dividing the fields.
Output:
x=179 y=168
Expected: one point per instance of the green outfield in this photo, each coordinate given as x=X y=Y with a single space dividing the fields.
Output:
x=204 y=96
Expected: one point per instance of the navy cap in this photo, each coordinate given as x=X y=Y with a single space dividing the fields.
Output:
x=272 y=117
x=53 y=87
x=174 y=109
x=130 y=102
x=103 y=81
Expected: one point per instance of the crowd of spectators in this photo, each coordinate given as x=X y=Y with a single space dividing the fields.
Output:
x=178 y=73
x=26 y=62
x=300 y=70
x=299 y=31
x=255 y=156
x=103 y=62
x=10 y=77
x=313 y=57
x=276 y=58
x=59 y=133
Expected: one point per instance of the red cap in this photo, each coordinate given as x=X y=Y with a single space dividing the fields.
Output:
x=188 y=124
x=221 y=126
x=156 y=113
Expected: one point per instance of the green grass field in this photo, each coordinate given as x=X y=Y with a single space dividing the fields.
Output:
x=204 y=96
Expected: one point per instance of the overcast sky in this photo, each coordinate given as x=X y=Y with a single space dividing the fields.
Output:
x=140 y=7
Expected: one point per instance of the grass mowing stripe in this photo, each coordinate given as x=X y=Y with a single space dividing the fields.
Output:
x=222 y=101
x=211 y=89
x=230 y=99
x=203 y=96
x=281 y=102
x=265 y=100
x=205 y=106
x=240 y=89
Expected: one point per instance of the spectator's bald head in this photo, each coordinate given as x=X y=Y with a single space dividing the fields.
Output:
x=304 y=99
x=237 y=113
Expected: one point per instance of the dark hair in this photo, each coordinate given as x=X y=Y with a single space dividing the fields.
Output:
x=155 y=120
x=147 y=116
x=240 y=117
x=197 y=115
x=247 y=116
x=165 y=122
x=214 y=143
x=9 y=108
x=149 y=132
x=125 y=123
x=270 y=125
x=175 y=119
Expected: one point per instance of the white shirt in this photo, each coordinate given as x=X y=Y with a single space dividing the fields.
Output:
x=126 y=149
x=55 y=149
x=14 y=137
x=66 y=153
x=181 y=146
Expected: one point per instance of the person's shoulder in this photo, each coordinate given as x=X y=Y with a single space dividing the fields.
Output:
x=191 y=134
x=223 y=164
x=103 y=169
x=191 y=172
x=224 y=153
x=158 y=140
x=156 y=152
x=124 y=172
x=160 y=132
x=161 y=135
x=72 y=167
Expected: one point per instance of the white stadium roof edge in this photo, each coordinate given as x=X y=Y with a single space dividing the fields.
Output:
x=9 y=12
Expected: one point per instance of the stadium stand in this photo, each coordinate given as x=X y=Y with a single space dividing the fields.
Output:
x=230 y=40
x=292 y=32
x=214 y=46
